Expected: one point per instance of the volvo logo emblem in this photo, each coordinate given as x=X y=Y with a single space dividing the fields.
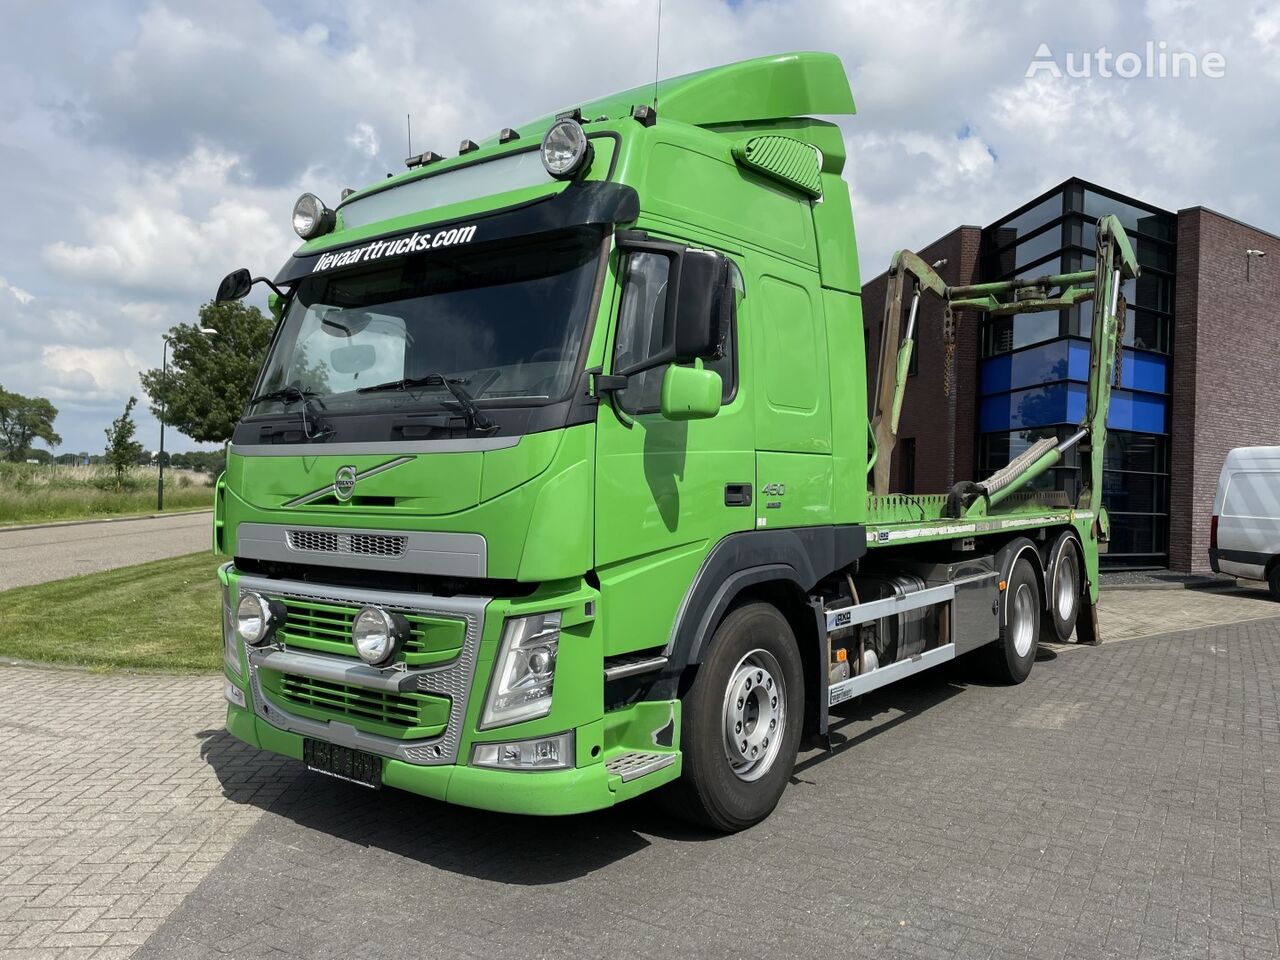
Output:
x=344 y=483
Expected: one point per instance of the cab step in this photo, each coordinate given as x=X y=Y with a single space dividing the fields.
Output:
x=638 y=763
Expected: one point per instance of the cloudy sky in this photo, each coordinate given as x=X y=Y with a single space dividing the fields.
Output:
x=147 y=148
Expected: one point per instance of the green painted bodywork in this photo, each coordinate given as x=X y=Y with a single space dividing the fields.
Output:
x=609 y=521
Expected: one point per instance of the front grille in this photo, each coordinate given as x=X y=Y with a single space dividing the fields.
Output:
x=326 y=627
x=356 y=544
x=402 y=715
x=313 y=540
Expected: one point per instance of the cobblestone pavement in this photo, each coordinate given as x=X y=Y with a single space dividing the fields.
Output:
x=1120 y=803
x=109 y=810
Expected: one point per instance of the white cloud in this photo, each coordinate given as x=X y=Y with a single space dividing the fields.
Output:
x=163 y=234
x=86 y=373
x=16 y=292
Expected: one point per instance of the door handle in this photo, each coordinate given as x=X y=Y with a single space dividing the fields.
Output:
x=737 y=494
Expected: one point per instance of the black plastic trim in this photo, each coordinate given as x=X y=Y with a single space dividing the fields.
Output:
x=581 y=203
x=802 y=556
x=1240 y=556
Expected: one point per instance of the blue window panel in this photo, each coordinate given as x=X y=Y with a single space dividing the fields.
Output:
x=1026 y=368
x=1023 y=409
x=1139 y=412
x=1145 y=371
x=1068 y=360
x=1066 y=403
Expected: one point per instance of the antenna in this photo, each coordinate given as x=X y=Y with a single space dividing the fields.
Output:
x=657 y=52
x=408 y=122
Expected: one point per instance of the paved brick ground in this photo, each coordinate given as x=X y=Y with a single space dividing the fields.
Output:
x=1121 y=803
x=109 y=812
x=1126 y=614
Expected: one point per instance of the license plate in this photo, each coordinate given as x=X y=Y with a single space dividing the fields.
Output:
x=343 y=763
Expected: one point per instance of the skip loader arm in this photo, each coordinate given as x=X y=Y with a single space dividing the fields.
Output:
x=1115 y=263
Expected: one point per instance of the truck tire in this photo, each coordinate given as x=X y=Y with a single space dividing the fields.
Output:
x=750 y=687
x=1273 y=582
x=1064 y=589
x=1011 y=657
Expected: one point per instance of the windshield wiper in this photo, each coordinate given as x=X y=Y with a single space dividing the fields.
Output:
x=289 y=394
x=294 y=394
x=475 y=417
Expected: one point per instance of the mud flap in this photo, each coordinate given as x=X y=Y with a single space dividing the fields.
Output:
x=1087 y=624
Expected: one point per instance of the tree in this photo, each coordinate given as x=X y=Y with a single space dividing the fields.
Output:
x=210 y=377
x=23 y=419
x=122 y=450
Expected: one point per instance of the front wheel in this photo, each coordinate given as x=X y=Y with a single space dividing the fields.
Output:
x=741 y=720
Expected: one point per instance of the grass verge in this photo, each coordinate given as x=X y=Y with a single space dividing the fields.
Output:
x=31 y=493
x=163 y=615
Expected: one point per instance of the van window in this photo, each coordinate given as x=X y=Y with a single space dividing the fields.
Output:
x=1252 y=493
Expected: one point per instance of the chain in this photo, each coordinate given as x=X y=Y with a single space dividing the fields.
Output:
x=949 y=343
x=1121 y=311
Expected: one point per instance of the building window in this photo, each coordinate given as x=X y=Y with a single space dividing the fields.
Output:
x=907 y=464
x=1033 y=378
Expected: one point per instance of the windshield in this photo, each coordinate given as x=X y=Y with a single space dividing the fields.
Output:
x=504 y=322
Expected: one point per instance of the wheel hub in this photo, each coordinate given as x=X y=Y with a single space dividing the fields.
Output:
x=754 y=714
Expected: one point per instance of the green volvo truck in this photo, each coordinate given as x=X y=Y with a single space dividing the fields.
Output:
x=566 y=476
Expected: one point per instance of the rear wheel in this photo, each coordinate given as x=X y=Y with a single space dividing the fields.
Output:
x=741 y=721
x=1012 y=656
x=1273 y=582
x=1064 y=591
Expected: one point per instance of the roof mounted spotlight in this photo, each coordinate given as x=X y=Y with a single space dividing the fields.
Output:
x=347 y=191
x=644 y=114
x=507 y=135
x=423 y=159
x=566 y=152
x=574 y=114
x=311 y=218
x=466 y=146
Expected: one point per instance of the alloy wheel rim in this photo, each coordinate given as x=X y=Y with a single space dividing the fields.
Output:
x=755 y=715
x=1023 y=612
x=1066 y=599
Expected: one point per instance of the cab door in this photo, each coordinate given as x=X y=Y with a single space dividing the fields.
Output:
x=666 y=491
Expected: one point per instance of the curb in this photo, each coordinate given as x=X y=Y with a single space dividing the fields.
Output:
x=1205 y=586
x=14 y=528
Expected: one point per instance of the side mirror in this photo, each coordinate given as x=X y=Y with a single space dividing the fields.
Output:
x=234 y=286
x=703 y=301
x=690 y=393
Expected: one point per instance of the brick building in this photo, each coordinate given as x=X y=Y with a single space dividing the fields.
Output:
x=1200 y=368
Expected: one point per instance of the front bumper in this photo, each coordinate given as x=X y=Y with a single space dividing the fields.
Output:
x=609 y=748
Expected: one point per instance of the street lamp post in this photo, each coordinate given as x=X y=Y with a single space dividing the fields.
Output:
x=164 y=387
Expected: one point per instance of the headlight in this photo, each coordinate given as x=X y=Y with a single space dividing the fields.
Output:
x=544 y=753
x=258 y=618
x=311 y=217
x=565 y=149
x=378 y=634
x=524 y=670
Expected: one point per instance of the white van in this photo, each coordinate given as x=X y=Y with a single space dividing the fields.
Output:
x=1244 y=534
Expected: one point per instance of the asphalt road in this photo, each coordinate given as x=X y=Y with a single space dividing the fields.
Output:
x=41 y=554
